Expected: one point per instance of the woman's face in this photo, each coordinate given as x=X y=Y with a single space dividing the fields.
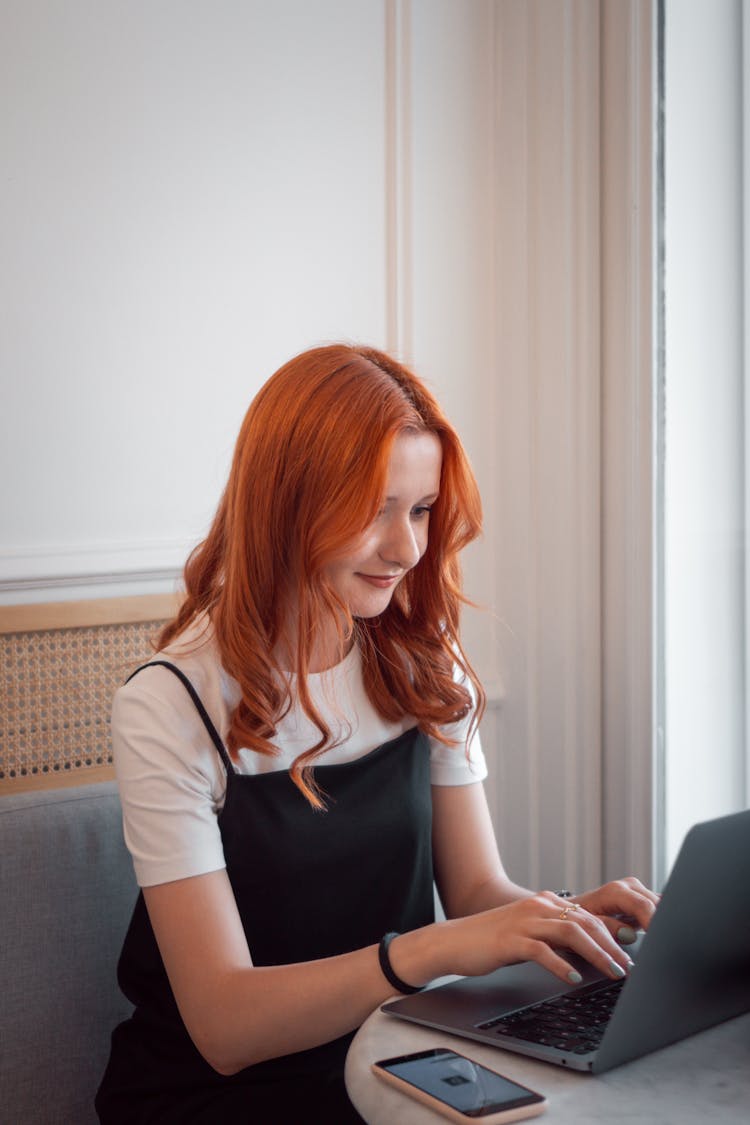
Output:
x=397 y=538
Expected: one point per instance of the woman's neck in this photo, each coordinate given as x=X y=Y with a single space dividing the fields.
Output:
x=327 y=651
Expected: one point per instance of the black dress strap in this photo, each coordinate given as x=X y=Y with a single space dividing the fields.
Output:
x=215 y=736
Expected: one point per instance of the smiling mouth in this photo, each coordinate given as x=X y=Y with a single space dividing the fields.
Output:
x=379 y=580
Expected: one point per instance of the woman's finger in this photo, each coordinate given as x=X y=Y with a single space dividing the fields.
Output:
x=551 y=959
x=575 y=928
x=549 y=952
x=625 y=899
x=623 y=929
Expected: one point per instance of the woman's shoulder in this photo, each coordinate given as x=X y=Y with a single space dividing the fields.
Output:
x=155 y=686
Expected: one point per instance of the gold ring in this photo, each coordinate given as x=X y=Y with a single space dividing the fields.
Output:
x=564 y=912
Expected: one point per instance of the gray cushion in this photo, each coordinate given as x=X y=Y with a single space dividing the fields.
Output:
x=66 y=894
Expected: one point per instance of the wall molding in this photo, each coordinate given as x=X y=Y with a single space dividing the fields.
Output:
x=628 y=131
x=61 y=568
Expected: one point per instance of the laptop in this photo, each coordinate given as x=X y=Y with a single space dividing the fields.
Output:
x=692 y=971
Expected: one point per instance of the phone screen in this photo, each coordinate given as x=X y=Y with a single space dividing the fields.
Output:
x=465 y=1086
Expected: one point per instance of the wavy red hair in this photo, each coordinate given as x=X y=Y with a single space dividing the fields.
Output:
x=307 y=478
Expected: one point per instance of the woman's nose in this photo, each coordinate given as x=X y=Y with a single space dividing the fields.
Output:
x=402 y=547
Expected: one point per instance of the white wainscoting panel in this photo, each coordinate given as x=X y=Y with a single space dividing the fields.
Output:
x=548 y=512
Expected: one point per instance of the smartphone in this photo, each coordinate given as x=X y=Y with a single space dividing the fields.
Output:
x=459 y=1088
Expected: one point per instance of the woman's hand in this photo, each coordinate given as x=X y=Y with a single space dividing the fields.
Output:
x=538 y=928
x=495 y=922
x=621 y=905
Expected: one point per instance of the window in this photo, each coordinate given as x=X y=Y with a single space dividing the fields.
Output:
x=702 y=569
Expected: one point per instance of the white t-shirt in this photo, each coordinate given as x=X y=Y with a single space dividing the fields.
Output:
x=171 y=778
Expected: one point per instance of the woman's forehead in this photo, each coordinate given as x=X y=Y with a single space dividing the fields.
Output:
x=414 y=464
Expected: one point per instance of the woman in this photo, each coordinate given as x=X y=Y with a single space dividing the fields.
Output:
x=301 y=759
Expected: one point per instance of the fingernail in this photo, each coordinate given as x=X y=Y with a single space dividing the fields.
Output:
x=626 y=935
x=574 y=977
x=617 y=969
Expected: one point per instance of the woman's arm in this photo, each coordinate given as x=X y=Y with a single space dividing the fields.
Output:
x=469 y=873
x=238 y=1014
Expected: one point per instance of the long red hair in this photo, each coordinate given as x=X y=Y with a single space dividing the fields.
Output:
x=307 y=478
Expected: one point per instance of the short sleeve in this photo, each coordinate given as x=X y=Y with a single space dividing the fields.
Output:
x=464 y=762
x=449 y=765
x=170 y=780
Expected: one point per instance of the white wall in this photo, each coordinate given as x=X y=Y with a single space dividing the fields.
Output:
x=200 y=188
x=193 y=191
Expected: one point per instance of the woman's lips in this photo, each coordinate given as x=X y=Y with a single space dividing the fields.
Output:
x=381 y=581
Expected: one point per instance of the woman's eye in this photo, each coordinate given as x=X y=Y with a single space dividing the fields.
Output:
x=420 y=513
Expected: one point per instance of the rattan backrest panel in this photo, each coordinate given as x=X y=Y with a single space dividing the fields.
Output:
x=56 y=688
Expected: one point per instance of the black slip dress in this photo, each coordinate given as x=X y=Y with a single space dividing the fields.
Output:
x=308 y=884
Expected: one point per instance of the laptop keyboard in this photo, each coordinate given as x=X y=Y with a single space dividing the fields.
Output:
x=574 y=1022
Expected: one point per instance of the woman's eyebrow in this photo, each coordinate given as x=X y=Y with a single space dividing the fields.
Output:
x=432 y=496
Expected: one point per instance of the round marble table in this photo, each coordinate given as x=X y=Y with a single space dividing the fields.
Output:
x=703 y=1079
